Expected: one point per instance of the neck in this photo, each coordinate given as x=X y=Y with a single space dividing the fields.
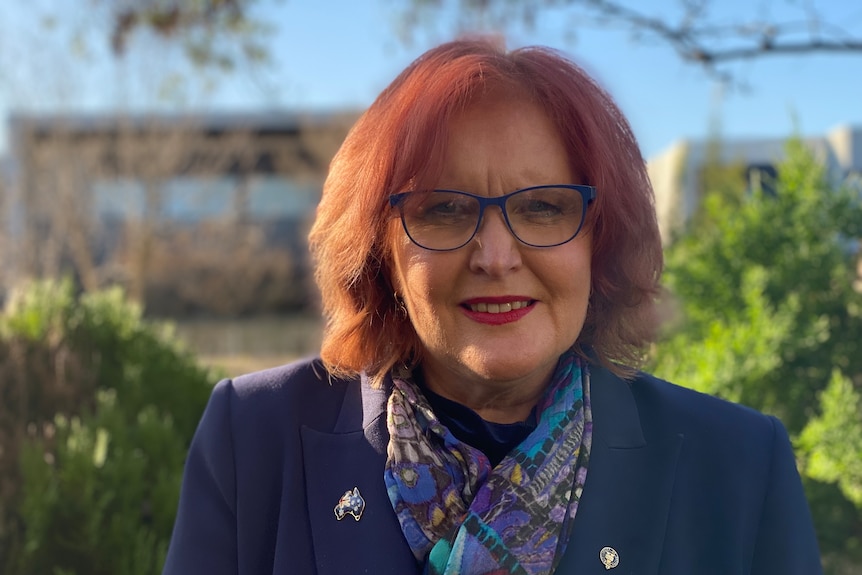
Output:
x=494 y=401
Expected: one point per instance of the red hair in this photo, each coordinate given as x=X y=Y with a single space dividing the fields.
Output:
x=398 y=144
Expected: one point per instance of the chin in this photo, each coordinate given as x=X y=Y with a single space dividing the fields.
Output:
x=502 y=365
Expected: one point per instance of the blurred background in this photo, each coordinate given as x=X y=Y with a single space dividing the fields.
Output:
x=160 y=161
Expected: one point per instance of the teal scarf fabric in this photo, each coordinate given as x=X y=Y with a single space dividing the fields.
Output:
x=459 y=515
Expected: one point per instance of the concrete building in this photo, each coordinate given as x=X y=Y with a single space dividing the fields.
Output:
x=7 y=222
x=676 y=172
x=180 y=209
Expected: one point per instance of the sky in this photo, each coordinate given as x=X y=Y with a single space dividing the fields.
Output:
x=329 y=55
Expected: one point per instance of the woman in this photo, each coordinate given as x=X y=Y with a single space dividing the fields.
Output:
x=488 y=258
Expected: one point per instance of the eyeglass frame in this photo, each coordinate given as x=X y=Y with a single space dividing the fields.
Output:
x=588 y=194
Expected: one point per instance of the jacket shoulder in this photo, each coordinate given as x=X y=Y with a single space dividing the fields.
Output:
x=676 y=409
x=736 y=467
x=299 y=393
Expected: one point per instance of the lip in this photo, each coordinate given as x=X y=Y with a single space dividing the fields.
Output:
x=500 y=318
x=496 y=299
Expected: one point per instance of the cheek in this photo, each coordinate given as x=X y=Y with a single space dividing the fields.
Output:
x=410 y=275
x=426 y=282
x=399 y=258
x=418 y=284
x=575 y=278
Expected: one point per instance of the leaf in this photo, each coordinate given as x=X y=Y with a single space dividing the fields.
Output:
x=831 y=443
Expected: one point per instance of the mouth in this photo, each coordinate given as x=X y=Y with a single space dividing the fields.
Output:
x=500 y=310
x=503 y=307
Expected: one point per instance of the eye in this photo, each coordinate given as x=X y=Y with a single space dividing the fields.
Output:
x=444 y=206
x=535 y=209
x=544 y=204
x=539 y=207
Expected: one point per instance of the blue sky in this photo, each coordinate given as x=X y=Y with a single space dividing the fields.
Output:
x=334 y=54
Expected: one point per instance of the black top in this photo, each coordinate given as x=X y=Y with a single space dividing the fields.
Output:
x=495 y=440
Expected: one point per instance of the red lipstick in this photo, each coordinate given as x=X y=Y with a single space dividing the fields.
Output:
x=498 y=317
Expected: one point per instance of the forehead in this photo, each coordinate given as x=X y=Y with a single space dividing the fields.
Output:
x=506 y=140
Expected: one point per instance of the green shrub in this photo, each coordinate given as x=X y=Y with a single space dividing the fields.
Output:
x=101 y=407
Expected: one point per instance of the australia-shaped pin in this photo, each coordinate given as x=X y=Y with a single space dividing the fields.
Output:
x=351 y=503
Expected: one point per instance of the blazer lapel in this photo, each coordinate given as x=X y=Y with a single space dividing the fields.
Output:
x=353 y=455
x=628 y=489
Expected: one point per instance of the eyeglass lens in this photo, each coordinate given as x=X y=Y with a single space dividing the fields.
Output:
x=445 y=220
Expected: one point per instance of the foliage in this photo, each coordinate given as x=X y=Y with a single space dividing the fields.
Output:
x=780 y=264
x=99 y=437
x=832 y=441
x=770 y=318
x=719 y=181
x=733 y=355
x=201 y=25
x=830 y=452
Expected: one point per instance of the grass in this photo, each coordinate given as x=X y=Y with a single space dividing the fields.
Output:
x=237 y=346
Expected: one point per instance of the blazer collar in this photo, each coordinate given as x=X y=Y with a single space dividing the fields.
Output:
x=615 y=415
x=364 y=409
x=616 y=422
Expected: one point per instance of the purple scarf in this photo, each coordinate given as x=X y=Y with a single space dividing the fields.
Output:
x=462 y=517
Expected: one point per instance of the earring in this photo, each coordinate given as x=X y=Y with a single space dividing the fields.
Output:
x=400 y=308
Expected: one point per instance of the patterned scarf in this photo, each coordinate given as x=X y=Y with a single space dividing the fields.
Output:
x=462 y=517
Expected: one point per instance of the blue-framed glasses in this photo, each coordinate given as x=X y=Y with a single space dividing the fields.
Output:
x=539 y=216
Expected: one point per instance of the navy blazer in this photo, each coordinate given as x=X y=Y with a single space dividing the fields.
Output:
x=678 y=483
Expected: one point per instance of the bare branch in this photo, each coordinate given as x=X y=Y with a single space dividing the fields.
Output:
x=767 y=48
x=692 y=41
x=694 y=34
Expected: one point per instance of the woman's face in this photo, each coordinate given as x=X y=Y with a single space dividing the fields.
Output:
x=473 y=353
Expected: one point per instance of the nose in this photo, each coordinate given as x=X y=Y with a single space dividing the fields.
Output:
x=495 y=251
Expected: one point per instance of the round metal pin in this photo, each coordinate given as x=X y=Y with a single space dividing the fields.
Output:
x=609 y=557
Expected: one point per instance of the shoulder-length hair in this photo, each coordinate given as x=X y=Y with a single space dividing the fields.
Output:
x=397 y=144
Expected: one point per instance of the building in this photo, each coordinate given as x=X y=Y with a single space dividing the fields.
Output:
x=203 y=213
x=7 y=221
x=676 y=172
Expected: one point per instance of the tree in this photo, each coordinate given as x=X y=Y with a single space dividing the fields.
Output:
x=153 y=52
x=832 y=441
x=202 y=26
x=224 y=33
x=695 y=29
x=771 y=316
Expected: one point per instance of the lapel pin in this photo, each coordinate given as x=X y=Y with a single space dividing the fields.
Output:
x=609 y=557
x=351 y=503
